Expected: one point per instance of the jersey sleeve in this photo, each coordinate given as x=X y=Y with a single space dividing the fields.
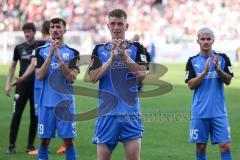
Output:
x=40 y=59
x=16 y=55
x=228 y=66
x=75 y=62
x=95 y=61
x=40 y=44
x=33 y=55
x=190 y=73
x=148 y=58
x=141 y=57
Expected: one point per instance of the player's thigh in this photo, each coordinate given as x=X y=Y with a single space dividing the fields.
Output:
x=103 y=152
x=220 y=130
x=131 y=128
x=46 y=122
x=66 y=125
x=132 y=149
x=199 y=130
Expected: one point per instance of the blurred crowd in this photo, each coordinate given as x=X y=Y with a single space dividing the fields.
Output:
x=174 y=21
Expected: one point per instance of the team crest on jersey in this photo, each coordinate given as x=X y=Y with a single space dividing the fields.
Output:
x=65 y=56
x=104 y=53
x=24 y=52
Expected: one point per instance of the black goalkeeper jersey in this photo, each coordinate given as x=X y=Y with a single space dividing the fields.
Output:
x=23 y=52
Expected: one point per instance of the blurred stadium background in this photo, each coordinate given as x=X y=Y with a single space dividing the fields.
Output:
x=171 y=25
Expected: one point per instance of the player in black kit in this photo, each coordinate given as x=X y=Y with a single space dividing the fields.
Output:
x=24 y=90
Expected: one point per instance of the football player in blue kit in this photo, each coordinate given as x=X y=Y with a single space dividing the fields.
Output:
x=57 y=66
x=119 y=66
x=206 y=74
x=38 y=83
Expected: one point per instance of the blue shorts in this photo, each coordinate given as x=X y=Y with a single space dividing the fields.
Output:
x=48 y=123
x=111 y=129
x=218 y=129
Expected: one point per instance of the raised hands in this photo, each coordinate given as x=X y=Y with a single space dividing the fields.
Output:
x=54 y=46
x=207 y=65
x=216 y=62
x=119 y=45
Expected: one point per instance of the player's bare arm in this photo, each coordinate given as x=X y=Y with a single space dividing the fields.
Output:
x=139 y=70
x=26 y=74
x=193 y=83
x=97 y=74
x=69 y=74
x=41 y=72
x=11 y=72
x=224 y=77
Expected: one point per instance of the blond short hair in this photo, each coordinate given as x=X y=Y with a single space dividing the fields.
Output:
x=205 y=30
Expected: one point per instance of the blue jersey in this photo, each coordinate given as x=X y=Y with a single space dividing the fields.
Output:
x=118 y=88
x=208 y=98
x=55 y=88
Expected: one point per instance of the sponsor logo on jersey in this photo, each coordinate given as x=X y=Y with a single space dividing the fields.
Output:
x=54 y=65
x=210 y=75
x=28 y=57
x=119 y=64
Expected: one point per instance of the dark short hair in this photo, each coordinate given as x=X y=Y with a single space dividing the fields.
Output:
x=45 y=27
x=58 y=20
x=119 y=13
x=30 y=26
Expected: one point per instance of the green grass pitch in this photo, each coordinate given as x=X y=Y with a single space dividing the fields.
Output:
x=166 y=122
